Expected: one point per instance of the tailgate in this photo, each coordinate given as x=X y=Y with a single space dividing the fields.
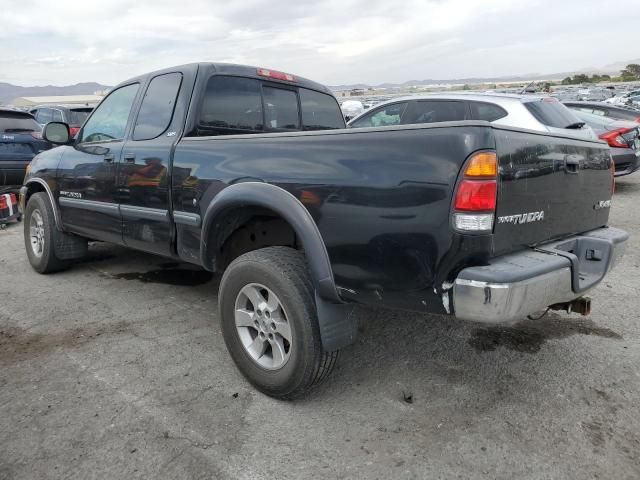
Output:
x=550 y=187
x=16 y=146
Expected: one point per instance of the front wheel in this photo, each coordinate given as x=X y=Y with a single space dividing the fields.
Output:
x=48 y=249
x=269 y=323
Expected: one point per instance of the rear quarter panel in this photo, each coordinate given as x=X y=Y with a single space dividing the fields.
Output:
x=380 y=197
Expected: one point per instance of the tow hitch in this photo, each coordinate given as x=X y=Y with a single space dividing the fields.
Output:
x=581 y=305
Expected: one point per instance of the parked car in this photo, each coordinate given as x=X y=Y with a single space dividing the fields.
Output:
x=623 y=138
x=305 y=219
x=606 y=110
x=541 y=113
x=72 y=115
x=20 y=140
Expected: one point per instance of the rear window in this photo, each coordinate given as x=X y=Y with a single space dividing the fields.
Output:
x=486 y=111
x=319 y=111
x=15 y=122
x=231 y=105
x=281 y=109
x=435 y=111
x=77 y=116
x=551 y=113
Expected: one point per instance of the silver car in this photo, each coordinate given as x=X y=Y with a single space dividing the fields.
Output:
x=539 y=113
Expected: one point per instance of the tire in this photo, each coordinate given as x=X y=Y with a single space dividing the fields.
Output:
x=56 y=247
x=280 y=275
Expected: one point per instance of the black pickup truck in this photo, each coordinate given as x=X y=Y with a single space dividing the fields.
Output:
x=251 y=172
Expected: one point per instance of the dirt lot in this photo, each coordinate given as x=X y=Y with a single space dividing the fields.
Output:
x=117 y=369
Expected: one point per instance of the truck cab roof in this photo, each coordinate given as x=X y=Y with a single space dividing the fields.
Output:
x=240 y=71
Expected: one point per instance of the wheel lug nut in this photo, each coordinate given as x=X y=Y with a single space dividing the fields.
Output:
x=273 y=326
x=271 y=336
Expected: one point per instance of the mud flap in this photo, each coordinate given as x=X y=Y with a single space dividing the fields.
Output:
x=338 y=325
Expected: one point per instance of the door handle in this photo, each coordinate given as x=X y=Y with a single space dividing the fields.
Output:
x=572 y=163
x=129 y=158
x=108 y=158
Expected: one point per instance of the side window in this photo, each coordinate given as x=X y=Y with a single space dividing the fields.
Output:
x=435 y=111
x=109 y=120
x=230 y=105
x=319 y=111
x=57 y=116
x=388 y=115
x=157 y=106
x=486 y=111
x=600 y=112
x=280 y=109
x=44 y=115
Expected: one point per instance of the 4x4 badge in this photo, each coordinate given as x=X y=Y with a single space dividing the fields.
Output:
x=602 y=204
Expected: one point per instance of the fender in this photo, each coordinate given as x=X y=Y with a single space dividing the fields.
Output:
x=54 y=205
x=336 y=320
x=280 y=201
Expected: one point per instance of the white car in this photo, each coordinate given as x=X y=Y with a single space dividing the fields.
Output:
x=539 y=113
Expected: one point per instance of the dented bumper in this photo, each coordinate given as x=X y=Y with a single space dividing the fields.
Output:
x=519 y=284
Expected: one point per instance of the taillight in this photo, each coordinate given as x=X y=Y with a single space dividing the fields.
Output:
x=14 y=200
x=3 y=202
x=615 y=139
x=476 y=195
x=73 y=131
x=637 y=120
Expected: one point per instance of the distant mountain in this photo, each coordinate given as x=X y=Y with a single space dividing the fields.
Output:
x=611 y=69
x=8 y=92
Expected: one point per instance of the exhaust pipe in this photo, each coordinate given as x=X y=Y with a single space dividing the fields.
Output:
x=581 y=305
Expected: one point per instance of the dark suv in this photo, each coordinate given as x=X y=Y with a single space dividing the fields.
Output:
x=74 y=116
x=20 y=140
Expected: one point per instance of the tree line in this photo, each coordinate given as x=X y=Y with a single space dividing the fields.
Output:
x=629 y=74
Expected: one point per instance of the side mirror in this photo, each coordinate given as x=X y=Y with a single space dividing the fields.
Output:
x=57 y=133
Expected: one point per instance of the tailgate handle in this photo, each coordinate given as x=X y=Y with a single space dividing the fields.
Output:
x=571 y=163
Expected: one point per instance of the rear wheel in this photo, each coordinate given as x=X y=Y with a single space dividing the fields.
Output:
x=269 y=322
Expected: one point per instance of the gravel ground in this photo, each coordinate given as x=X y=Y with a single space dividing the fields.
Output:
x=117 y=369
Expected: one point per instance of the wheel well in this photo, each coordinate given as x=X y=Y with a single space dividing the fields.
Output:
x=33 y=187
x=245 y=229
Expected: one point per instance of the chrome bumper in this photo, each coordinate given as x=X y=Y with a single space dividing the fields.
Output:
x=516 y=285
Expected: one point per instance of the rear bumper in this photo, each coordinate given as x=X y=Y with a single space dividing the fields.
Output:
x=519 y=284
x=625 y=160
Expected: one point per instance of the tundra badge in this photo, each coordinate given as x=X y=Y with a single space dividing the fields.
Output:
x=522 y=218
x=602 y=204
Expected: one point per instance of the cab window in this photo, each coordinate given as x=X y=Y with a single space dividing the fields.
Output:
x=109 y=120
x=231 y=105
x=280 y=109
x=157 y=106
x=319 y=111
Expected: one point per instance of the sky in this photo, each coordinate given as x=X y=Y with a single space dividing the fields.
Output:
x=331 y=41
